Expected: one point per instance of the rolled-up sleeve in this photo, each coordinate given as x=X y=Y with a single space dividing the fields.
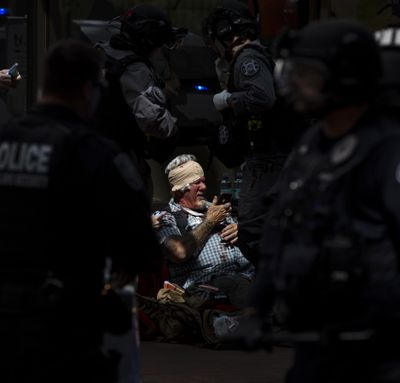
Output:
x=147 y=102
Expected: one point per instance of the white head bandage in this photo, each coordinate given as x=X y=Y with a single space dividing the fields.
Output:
x=182 y=171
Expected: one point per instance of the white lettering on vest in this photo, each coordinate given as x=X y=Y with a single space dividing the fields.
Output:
x=25 y=157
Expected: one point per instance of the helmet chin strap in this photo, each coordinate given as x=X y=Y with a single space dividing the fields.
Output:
x=228 y=48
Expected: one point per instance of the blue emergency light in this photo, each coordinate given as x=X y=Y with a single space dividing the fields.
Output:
x=201 y=88
x=4 y=11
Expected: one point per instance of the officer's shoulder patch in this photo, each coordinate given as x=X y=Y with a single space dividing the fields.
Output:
x=250 y=67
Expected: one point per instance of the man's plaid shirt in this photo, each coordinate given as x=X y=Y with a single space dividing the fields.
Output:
x=214 y=258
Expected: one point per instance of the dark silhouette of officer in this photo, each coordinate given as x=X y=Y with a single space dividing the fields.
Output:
x=74 y=212
x=134 y=111
x=330 y=249
x=258 y=129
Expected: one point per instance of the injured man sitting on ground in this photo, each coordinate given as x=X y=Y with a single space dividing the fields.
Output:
x=200 y=236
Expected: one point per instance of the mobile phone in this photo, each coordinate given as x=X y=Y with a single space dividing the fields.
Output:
x=224 y=198
x=13 y=71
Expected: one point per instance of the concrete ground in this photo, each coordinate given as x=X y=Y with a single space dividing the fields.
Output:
x=180 y=363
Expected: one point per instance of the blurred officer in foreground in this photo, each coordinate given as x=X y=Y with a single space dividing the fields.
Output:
x=134 y=110
x=331 y=245
x=250 y=130
x=389 y=99
x=69 y=200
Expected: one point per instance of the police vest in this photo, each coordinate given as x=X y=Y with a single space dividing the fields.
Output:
x=34 y=155
x=271 y=133
x=324 y=263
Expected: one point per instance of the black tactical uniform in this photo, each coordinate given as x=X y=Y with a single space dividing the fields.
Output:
x=331 y=246
x=134 y=109
x=256 y=130
x=251 y=88
x=264 y=153
x=69 y=200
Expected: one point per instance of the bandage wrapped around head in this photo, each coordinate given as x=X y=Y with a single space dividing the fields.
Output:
x=182 y=171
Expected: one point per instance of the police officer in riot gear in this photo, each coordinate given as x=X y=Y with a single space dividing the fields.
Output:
x=134 y=110
x=245 y=70
x=331 y=248
x=250 y=131
x=70 y=199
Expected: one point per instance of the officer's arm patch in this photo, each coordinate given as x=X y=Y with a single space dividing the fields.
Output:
x=250 y=67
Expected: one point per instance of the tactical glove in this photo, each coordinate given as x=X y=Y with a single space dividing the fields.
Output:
x=221 y=100
x=250 y=334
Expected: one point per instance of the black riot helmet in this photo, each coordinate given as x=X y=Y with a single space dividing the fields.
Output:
x=146 y=26
x=228 y=21
x=338 y=62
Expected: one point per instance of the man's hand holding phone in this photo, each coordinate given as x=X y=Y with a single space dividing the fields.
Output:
x=10 y=77
x=14 y=73
x=224 y=198
x=5 y=79
x=217 y=212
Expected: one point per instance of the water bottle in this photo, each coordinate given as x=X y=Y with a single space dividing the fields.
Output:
x=237 y=185
x=225 y=325
x=225 y=189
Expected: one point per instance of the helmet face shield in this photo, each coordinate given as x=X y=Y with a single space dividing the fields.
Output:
x=344 y=63
x=224 y=24
x=303 y=83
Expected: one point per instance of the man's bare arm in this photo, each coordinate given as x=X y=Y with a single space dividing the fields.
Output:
x=182 y=248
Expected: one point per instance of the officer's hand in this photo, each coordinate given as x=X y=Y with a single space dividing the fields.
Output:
x=221 y=100
x=5 y=78
x=7 y=81
x=217 y=213
x=172 y=86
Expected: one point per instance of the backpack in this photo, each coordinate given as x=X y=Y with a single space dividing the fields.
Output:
x=115 y=120
x=185 y=322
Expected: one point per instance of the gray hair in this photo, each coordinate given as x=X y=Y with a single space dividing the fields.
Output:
x=179 y=160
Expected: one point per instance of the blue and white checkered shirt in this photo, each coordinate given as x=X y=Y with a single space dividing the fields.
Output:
x=214 y=258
